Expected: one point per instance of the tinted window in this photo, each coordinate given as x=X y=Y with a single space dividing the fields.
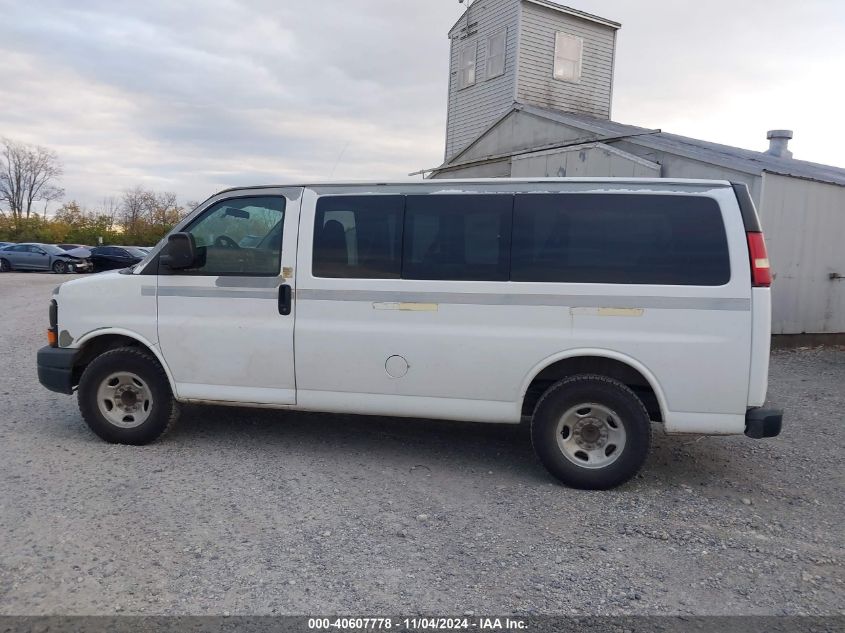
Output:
x=619 y=239
x=222 y=235
x=461 y=237
x=19 y=248
x=358 y=237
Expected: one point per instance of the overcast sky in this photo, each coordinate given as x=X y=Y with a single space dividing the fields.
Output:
x=197 y=95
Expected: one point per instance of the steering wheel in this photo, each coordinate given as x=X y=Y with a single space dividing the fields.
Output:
x=224 y=241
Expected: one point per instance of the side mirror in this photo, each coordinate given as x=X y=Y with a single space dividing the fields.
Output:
x=180 y=252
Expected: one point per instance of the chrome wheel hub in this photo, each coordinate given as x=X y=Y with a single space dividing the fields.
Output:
x=125 y=400
x=591 y=435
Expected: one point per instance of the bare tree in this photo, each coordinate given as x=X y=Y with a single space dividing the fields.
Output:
x=109 y=207
x=141 y=211
x=162 y=208
x=28 y=174
x=134 y=206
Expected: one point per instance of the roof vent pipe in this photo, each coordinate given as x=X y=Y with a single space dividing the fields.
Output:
x=779 y=143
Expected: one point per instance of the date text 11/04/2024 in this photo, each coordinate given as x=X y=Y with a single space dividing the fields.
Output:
x=417 y=624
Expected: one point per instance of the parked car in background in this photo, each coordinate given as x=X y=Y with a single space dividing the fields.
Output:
x=115 y=257
x=71 y=247
x=42 y=257
x=5 y=244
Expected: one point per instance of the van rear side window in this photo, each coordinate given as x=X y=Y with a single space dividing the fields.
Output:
x=619 y=239
x=358 y=237
x=457 y=237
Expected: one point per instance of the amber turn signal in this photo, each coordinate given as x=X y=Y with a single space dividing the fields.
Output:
x=52 y=338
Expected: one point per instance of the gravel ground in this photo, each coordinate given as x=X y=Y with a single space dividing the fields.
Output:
x=260 y=512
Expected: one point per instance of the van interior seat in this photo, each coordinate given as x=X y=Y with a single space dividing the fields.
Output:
x=331 y=242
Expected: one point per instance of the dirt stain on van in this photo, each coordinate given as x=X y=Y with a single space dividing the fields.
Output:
x=608 y=312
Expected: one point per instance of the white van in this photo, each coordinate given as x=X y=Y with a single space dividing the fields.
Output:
x=591 y=307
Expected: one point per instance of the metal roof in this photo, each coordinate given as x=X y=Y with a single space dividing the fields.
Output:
x=579 y=14
x=744 y=160
x=555 y=7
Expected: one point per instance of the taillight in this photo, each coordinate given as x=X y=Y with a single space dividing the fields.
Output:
x=761 y=271
x=53 y=332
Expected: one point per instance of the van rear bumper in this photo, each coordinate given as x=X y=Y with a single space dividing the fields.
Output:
x=763 y=423
x=55 y=368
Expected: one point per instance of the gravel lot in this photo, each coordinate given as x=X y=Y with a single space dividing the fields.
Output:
x=260 y=512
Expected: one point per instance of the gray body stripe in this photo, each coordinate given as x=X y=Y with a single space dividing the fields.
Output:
x=468 y=298
x=208 y=293
x=549 y=300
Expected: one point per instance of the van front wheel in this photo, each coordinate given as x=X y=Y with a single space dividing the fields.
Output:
x=591 y=432
x=125 y=397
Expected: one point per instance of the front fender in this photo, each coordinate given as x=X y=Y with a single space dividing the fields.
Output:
x=152 y=347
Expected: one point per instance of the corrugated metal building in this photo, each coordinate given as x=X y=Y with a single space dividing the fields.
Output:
x=530 y=94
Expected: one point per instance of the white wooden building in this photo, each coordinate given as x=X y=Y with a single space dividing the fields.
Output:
x=530 y=94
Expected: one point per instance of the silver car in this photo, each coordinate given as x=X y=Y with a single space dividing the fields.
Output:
x=41 y=257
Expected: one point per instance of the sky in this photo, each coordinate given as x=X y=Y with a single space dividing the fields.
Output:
x=199 y=95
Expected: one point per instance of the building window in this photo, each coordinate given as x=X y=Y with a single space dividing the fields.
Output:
x=496 y=54
x=466 y=73
x=569 y=51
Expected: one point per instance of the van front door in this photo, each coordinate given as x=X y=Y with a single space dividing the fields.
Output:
x=226 y=326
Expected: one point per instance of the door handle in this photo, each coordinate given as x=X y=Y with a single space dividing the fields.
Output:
x=285 y=299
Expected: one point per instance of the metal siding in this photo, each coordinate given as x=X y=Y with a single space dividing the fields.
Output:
x=680 y=167
x=593 y=161
x=804 y=222
x=473 y=109
x=521 y=131
x=497 y=169
x=536 y=84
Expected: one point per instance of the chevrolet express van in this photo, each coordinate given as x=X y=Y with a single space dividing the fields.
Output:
x=592 y=308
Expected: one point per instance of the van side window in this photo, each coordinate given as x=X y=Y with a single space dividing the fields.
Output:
x=619 y=239
x=457 y=237
x=358 y=237
x=239 y=237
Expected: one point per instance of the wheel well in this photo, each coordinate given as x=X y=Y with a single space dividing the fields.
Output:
x=100 y=345
x=609 y=367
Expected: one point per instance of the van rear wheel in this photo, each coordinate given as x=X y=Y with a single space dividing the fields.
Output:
x=591 y=432
x=125 y=397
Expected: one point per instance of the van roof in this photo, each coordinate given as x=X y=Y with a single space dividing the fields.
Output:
x=442 y=183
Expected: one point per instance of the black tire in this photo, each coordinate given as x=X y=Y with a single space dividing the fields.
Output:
x=163 y=412
x=5 y=266
x=60 y=267
x=599 y=390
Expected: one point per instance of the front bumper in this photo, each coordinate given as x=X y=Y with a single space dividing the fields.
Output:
x=81 y=267
x=763 y=423
x=55 y=368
